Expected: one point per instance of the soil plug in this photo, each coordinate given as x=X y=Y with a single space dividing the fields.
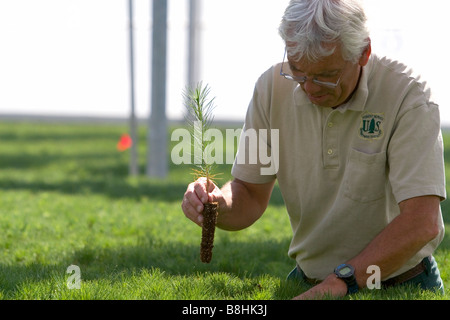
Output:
x=208 y=230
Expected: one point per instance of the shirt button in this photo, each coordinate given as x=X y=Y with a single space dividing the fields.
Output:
x=330 y=124
x=330 y=152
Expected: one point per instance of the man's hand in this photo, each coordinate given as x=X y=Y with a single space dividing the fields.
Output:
x=240 y=203
x=196 y=196
x=331 y=286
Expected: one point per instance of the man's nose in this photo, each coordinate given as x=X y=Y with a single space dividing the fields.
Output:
x=311 y=88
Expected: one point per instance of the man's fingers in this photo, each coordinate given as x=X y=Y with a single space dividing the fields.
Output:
x=195 y=198
x=200 y=191
x=193 y=201
x=192 y=212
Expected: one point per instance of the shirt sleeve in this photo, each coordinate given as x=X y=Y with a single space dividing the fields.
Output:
x=416 y=154
x=256 y=161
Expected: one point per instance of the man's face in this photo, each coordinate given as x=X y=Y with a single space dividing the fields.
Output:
x=331 y=69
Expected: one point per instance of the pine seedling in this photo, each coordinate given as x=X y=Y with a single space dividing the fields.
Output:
x=199 y=117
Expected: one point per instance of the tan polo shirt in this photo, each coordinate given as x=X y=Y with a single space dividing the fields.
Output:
x=342 y=172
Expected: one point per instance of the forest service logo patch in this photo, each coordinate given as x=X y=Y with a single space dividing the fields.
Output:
x=371 y=125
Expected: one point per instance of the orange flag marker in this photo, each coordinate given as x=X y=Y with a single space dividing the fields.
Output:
x=124 y=143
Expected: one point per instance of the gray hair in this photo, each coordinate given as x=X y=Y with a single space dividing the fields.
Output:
x=313 y=28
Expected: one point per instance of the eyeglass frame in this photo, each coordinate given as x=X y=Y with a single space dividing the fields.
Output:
x=303 y=79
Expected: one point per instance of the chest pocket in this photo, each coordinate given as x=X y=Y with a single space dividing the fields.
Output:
x=365 y=176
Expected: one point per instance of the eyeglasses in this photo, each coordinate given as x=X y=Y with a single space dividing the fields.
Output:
x=302 y=79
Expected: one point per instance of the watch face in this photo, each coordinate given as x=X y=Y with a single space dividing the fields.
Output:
x=345 y=270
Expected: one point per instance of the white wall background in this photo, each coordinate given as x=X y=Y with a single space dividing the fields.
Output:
x=67 y=57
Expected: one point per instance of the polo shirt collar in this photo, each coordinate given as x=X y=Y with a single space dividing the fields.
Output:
x=359 y=99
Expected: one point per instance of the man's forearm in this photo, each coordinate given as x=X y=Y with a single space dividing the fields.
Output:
x=243 y=204
x=393 y=247
x=400 y=240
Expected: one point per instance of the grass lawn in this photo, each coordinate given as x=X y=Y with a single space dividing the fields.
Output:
x=66 y=199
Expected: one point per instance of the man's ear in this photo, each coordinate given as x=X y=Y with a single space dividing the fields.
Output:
x=365 y=55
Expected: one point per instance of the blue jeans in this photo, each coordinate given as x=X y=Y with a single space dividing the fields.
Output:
x=430 y=279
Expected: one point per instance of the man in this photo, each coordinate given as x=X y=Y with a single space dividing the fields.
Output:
x=361 y=164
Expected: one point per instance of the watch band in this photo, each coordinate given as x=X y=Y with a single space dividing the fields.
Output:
x=346 y=273
x=352 y=286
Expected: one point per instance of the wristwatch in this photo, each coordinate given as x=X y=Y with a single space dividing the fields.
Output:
x=347 y=273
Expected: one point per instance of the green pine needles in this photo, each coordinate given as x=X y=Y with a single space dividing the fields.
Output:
x=200 y=117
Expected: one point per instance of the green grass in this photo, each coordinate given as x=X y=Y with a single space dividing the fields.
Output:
x=66 y=198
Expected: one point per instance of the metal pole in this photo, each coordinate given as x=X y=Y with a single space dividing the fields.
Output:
x=157 y=162
x=134 y=171
x=194 y=43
